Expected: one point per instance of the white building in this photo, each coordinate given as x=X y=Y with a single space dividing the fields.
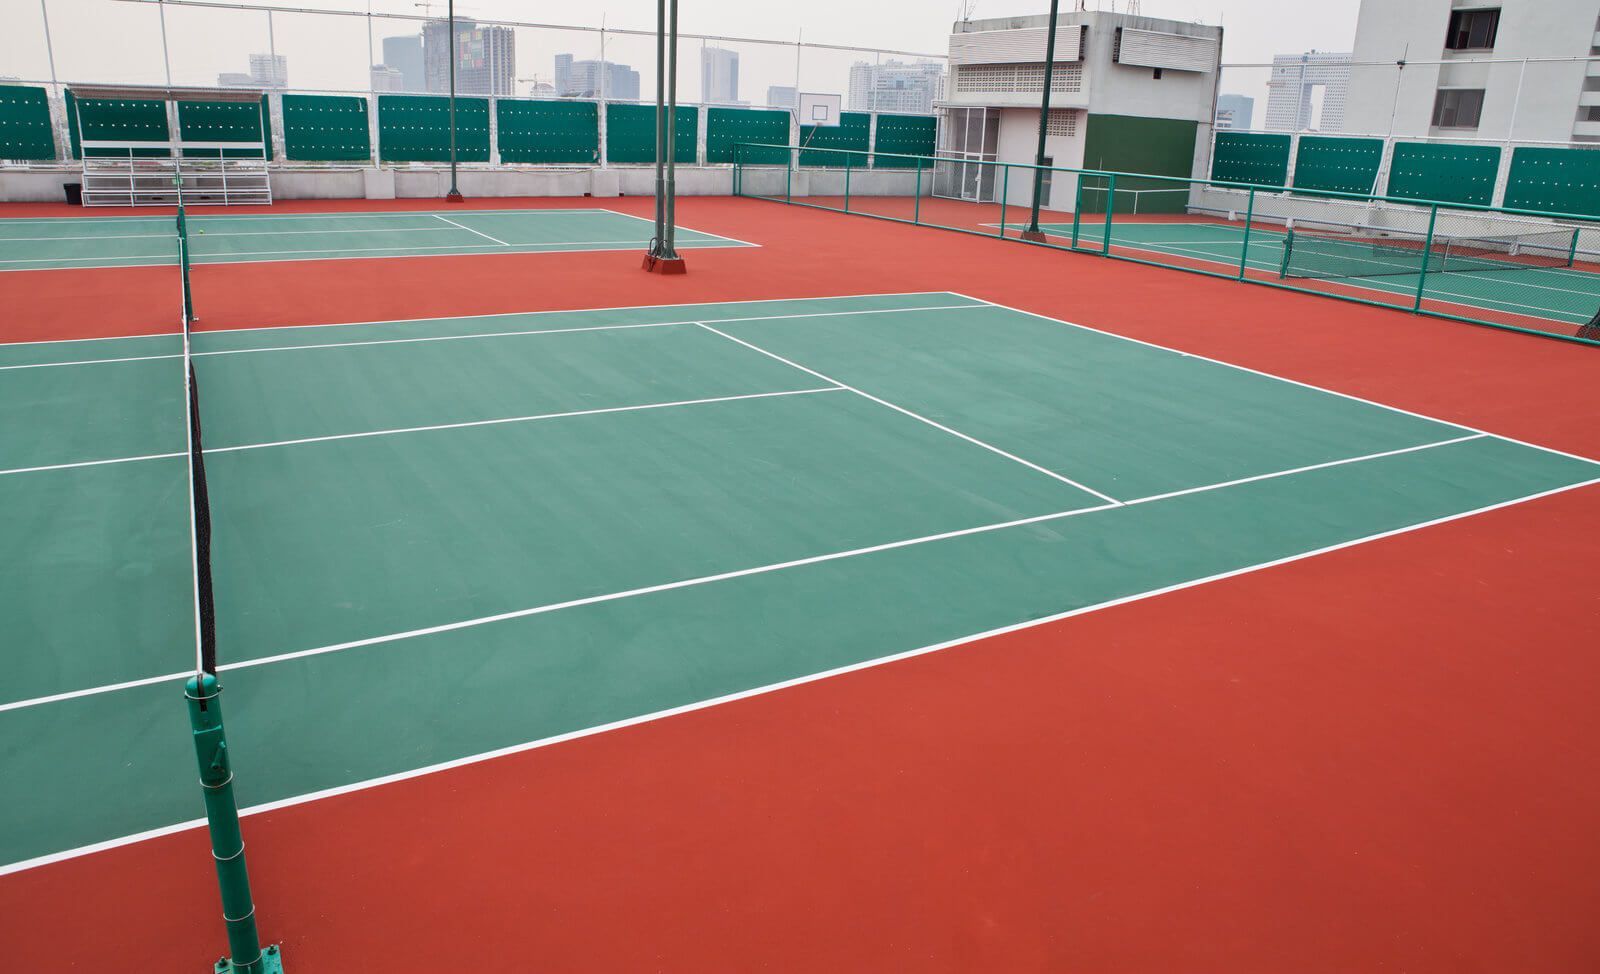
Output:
x=1551 y=100
x=781 y=96
x=895 y=86
x=1292 y=88
x=1128 y=94
x=385 y=78
x=270 y=70
x=719 y=76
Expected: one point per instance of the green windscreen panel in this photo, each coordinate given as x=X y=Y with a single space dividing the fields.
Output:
x=117 y=120
x=416 y=128
x=225 y=121
x=854 y=131
x=25 y=129
x=1341 y=165
x=1250 y=157
x=631 y=134
x=1554 y=180
x=911 y=134
x=1443 y=173
x=727 y=127
x=533 y=130
x=1130 y=144
x=325 y=128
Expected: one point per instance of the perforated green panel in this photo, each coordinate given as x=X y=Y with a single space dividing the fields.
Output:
x=1444 y=173
x=911 y=134
x=325 y=128
x=212 y=121
x=726 y=127
x=1339 y=165
x=416 y=128
x=631 y=134
x=534 y=130
x=25 y=130
x=1249 y=157
x=854 y=131
x=117 y=120
x=1554 y=180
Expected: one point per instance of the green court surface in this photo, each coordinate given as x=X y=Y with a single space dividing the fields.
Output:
x=441 y=539
x=1570 y=296
x=142 y=241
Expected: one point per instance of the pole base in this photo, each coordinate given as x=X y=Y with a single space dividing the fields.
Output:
x=664 y=265
x=271 y=962
x=1033 y=236
x=454 y=196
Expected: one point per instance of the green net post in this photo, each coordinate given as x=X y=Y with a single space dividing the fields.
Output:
x=1005 y=188
x=1427 y=251
x=1249 y=216
x=788 y=175
x=1111 y=209
x=227 y=843
x=1077 y=206
x=738 y=168
x=847 y=182
x=1288 y=252
x=1572 y=252
x=916 y=202
x=183 y=267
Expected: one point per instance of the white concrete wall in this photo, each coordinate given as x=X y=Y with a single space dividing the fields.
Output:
x=1019 y=141
x=42 y=186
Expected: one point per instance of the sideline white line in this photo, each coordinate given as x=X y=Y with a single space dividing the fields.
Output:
x=707 y=579
x=517 y=419
x=470 y=230
x=370 y=783
x=1279 y=378
x=501 y=314
x=916 y=416
x=707 y=233
x=91 y=463
x=89 y=361
x=204 y=217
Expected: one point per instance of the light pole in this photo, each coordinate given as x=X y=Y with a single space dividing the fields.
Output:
x=454 y=196
x=1033 y=232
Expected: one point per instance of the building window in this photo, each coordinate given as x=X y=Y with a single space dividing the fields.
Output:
x=1472 y=30
x=1458 y=108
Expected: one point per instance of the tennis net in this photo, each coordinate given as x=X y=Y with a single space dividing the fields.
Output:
x=199 y=497
x=1344 y=252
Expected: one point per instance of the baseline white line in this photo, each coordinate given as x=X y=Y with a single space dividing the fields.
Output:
x=91 y=463
x=517 y=419
x=480 y=757
x=470 y=230
x=916 y=416
x=90 y=361
x=719 y=236
x=1279 y=378
x=502 y=314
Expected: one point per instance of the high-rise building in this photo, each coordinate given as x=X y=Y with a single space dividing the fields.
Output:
x=895 y=86
x=404 y=54
x=269 y=70
x=235 y=79
x=385 y=78
x=1235 y=111
x=781 y=96
x=595 y=79
x=1294 y=80
x=485 y=56
x=719 y=76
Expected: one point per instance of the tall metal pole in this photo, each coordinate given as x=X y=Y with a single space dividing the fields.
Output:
x=662 y=257
x=661 y=126
x=668 y=247
x=454 y=196
x=1033 y=232
x=166 y=60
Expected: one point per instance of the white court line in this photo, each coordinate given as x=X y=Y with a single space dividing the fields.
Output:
x=480 y=757
x=91 y=463
x=309 y=215
x=708 y=233
x=502 y=314
x=718 y=577
x=519 y=419
x=470 y=230
x=90 y=361
x=916 y=416
x=1279 y=378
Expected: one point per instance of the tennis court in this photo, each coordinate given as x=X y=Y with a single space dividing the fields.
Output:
x=409 y=563
x=148 y=241
x=1568 y=296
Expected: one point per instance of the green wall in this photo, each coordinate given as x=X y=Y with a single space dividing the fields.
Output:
x=1124 y=143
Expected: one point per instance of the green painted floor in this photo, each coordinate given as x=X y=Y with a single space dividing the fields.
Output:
x=437 y=539
x=1570 y=296
x=142 y=241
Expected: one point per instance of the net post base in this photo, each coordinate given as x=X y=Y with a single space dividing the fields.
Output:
x=1032 y=236
x=270 y=962
x=665 y=265
x=454 y=196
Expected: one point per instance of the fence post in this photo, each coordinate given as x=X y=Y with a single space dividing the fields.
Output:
x=847 y=182
x=788 y=176
x=1111 y=209
x=1077 y=206
x=1249 y=216
x=916 y=201
x=1005 y=187
x=1427 y=251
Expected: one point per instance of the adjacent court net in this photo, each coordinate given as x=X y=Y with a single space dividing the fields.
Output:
x=1328 y=251
x=199 y=499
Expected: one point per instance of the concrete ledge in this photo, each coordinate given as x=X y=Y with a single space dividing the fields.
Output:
x=24 y=186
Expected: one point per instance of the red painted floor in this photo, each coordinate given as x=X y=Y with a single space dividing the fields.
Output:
x=1382 y=758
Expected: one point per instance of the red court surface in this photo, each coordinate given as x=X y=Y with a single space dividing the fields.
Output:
x=1381 y=758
